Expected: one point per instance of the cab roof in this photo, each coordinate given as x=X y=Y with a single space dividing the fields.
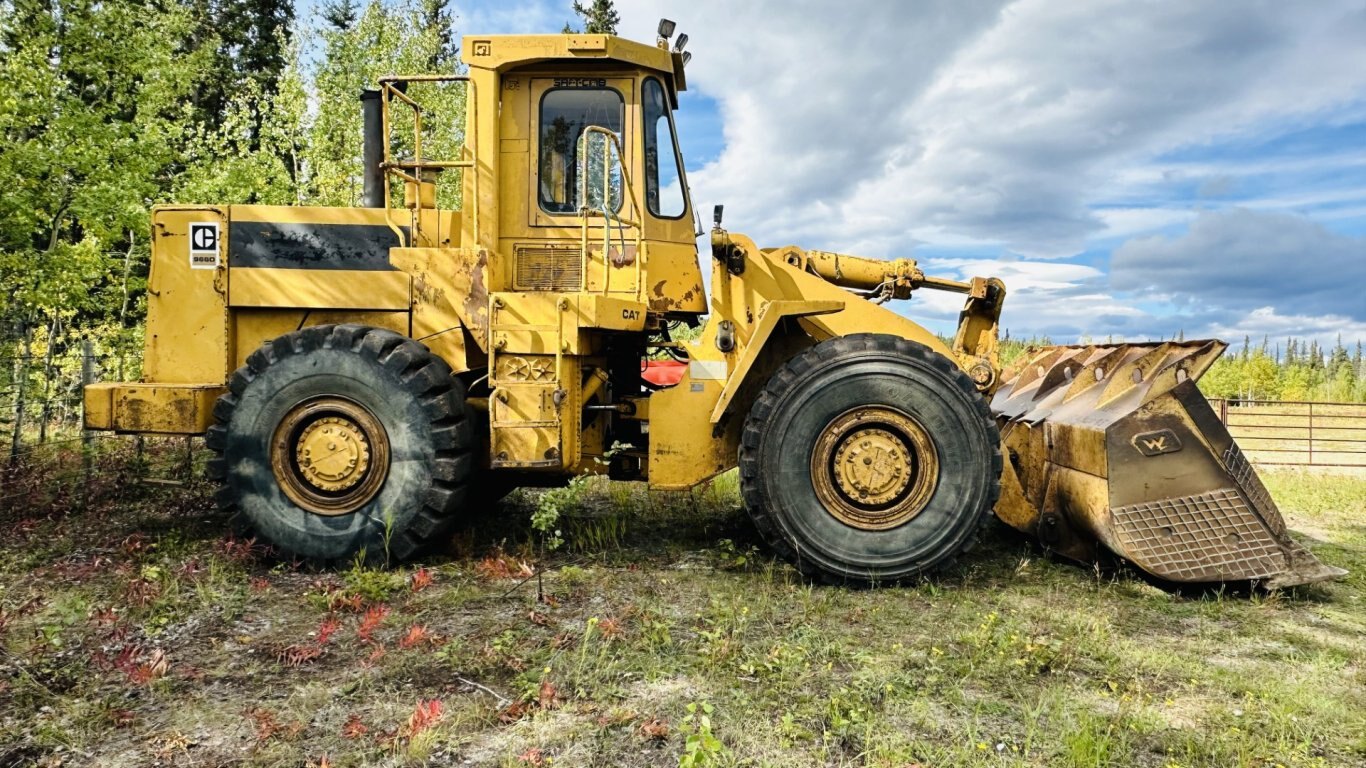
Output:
x=503 y=52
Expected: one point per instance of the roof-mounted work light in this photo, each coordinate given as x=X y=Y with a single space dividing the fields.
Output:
x=666 y=29
x=681 y=43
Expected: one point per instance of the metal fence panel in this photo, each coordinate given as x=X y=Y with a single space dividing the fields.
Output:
x=1297 y=432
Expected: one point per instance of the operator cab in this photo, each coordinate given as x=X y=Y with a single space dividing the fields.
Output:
x=585 y=126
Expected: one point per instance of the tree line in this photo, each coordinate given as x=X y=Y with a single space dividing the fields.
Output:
x=108 y=107
x=1299 y=370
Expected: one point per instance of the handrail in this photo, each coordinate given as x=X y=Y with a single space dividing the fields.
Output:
x=608 y=215
x=390 y=89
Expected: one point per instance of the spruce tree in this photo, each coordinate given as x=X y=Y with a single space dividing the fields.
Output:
x=599 y=18
x=436 y=19
x=340 y=14
x=259 y=31
x=1339 y=358
x=249 y=40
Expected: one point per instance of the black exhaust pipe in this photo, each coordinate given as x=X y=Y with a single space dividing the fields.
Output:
x=372 y=151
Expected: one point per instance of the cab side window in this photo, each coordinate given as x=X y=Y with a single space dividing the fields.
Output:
x=663 y=166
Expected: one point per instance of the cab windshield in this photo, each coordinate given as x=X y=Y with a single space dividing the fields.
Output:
x=565 y=114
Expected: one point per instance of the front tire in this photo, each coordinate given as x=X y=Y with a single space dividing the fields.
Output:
x=869 y=458
x=334 y=441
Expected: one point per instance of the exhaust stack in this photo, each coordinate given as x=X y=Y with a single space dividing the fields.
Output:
x=372 y=149
x=1115 y=445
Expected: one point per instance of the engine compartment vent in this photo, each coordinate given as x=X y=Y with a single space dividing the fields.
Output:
x=548 y=268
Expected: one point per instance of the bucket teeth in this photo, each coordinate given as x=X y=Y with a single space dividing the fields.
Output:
x=1114 y=445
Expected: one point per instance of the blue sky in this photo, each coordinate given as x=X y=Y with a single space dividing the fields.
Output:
x=1130 y=169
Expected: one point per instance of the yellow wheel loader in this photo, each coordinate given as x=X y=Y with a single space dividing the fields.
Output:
x=369 y=377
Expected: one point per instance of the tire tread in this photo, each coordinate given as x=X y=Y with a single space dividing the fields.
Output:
x=766 y=407
x=424 y=375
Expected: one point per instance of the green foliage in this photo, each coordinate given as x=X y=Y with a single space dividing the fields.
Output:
x=111 y=107
x=91 y=112
x=545 y=519
x=599 y=18
x=385 y=39
x=255 y=154
x=552 y=503
x=700 y=745
x=374 y=585
x=1304 y=372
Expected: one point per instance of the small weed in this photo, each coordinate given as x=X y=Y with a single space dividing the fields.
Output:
x=372 y=584
x=735 y=557
x=421 y=579
x=417 y=635
x=596 y=534
x=1094 y=740
x=370 y=622
x=426 y=714
x=553 y=503
x=700 y=746
x=502 y=566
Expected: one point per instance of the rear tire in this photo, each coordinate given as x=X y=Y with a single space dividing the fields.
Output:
x=338 y=440
x=869 y=458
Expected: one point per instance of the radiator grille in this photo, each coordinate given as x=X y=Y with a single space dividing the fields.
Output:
x=549 y=269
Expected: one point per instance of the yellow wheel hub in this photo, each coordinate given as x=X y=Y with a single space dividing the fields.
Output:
x=330 y=455
x=874 y=468
x=333 y=453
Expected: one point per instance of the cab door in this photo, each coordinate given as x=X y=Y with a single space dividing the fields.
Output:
x=562 y=107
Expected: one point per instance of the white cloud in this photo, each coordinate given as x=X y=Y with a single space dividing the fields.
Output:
x=1267 y=322
x=866 y=124
x=1243 y=260
x=1125 y=222
x=814 y=97
x=1044 y=298
x=1040 y=128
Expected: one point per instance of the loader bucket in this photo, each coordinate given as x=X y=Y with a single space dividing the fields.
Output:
x=1115 y=445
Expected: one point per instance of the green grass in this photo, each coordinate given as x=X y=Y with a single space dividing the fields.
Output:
x=133 y=632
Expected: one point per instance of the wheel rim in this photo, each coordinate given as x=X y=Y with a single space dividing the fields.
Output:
x=874 y=468
x=330 y=455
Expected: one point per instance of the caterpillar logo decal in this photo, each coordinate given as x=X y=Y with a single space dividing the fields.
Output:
x=630 y=314
x=1157 y=443
x=204 y=245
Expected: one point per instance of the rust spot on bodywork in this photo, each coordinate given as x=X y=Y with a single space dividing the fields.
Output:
x=426 y=293
x=476 y=306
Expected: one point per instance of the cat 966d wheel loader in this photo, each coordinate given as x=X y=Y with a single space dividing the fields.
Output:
x=370 y=376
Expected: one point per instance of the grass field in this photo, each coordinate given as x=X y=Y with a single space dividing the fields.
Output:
x=133 y=632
